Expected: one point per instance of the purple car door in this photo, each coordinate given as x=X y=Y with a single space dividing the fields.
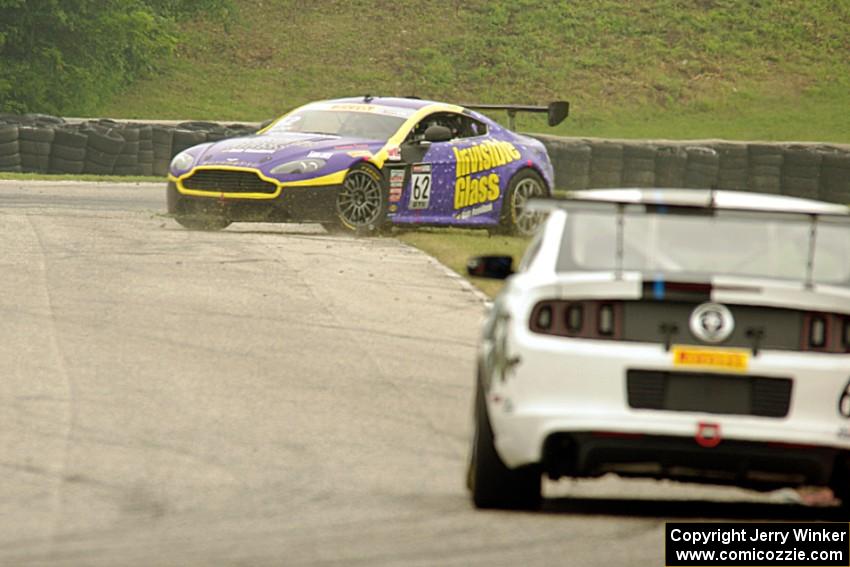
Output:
x=428 y=184
x=453 y=178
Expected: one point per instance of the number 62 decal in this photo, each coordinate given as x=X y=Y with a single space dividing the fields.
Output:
x=420 y=187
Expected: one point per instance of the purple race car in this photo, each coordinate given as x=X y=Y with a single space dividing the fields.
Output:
x=365 y=163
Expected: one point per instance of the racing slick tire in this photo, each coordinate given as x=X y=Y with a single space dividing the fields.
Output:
x=492 y=484
x=515 y=218
x=188 y=217
x=361 y=203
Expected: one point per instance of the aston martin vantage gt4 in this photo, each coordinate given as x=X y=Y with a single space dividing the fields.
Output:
x=365 y=163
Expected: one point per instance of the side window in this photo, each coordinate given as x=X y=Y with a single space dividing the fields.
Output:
x=470 y=127
x=460 y=125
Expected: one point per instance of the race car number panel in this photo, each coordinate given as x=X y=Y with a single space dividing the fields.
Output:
x=420 y=187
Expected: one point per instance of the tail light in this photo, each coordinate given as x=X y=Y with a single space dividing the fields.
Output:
x=817 y=331
x=544 y=317
x=578 y=319
x=605 y=319
x=825 y=332
x=574 y=318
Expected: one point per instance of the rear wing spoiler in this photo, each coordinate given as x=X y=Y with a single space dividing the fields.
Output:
x=557 y=111
x=699 y=203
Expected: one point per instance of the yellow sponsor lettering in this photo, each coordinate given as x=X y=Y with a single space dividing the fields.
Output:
x=461 y=165
x=495 y=155
x=483 y=185
x=475 y=159
x=475 y=190
x=515 y=155
x=498 y=155
x=483 y=189
x=472 y=192
x=493 y=193
x=460 y=192
x=485 y=156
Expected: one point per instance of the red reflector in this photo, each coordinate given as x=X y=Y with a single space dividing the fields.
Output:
x=708 y=435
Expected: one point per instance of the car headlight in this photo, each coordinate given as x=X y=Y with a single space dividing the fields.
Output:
x=182 y=161
x=308 y=165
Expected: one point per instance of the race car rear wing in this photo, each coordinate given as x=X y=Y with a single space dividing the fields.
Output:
x=557 y=111
x=622 y=202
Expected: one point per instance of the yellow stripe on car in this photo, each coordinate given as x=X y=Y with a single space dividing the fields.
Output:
x=396 y=139
x=329 y=179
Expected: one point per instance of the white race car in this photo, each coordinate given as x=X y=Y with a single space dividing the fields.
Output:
x=693 y=335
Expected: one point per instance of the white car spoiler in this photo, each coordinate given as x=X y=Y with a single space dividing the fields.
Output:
x=700 y=202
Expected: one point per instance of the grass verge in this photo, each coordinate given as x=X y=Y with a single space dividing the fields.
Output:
x=453 y=247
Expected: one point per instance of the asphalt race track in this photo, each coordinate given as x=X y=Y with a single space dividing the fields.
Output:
x=266 y=395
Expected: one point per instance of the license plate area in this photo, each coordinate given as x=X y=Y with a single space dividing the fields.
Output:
x=733 y=360
x=710 y=393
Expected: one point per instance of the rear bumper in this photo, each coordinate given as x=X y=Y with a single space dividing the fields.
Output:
x=749 y=464
x=294 y=204
x=577 y=390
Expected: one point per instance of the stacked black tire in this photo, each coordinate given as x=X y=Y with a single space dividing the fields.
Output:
x=162 y=139
x=68 y=152
x=127 y=162
x=835 y=176
x=801 y=170
x=105 y=144
x=184 y=139
x=146 y=150
x=670 y=165
x=575 y=169
x=638 y=165
x=47 y=144
x=10 y=154
x=732 y=167
x=34 y=145
x=701 y=168
x=606 y=164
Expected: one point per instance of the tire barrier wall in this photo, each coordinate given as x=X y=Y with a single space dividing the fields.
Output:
x=809 y=170
x=39 y=143
x=49 y=144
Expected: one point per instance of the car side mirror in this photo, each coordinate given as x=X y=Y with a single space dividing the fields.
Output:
x=438 y=133
x=558 y=111
x=493 y=267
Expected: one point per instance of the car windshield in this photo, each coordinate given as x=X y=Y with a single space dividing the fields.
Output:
x=351 y=124
x=699 y=245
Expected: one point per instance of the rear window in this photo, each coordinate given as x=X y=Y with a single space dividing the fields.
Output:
x=703 y=245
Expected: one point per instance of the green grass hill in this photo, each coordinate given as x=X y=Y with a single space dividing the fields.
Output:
x=760 y=69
